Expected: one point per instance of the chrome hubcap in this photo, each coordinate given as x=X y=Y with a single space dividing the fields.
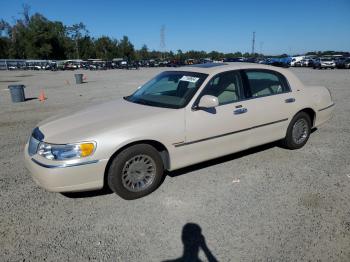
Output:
x=300 y=131
x=138 y=173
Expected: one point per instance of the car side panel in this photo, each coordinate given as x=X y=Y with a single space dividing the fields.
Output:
x=213 y=133
x=272 y=115
x=319 y=99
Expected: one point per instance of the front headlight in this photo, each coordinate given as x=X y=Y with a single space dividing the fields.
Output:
x=65 y=152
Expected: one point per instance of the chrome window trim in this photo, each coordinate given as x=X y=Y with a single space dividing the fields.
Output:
x=245 y=85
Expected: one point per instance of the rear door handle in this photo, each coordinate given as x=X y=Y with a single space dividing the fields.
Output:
x=240 y=111
x=290 y=100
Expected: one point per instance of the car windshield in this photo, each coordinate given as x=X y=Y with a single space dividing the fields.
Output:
x=326 y=59
x=170 y=89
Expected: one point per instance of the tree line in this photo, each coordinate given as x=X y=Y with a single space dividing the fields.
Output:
x=36 y=37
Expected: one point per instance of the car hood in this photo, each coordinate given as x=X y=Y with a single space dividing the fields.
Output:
x=84 y=125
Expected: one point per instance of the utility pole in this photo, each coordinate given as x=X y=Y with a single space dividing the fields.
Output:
x=162 y=40
x=253 y=43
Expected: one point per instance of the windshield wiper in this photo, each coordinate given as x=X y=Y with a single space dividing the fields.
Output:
x=141 y=102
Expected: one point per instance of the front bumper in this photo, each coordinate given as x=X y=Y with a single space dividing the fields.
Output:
x=58 y=176
x=328 y=65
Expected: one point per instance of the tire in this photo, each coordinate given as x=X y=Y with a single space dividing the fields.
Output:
x=135 y=167
x=298 y=131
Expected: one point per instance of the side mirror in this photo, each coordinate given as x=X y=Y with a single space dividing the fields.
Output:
x=208 y=101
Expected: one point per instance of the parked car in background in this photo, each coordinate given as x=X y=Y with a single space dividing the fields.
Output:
x=179 y=118
x=295 y=60
x=163 y=63
x=175 y=63
x=298 y=64
x=323 y=62
x=12 y=67
x=235 y=59
x=343 y=63
x=123 y=64
x=306 y=62
x=70 y=66
x=279 y=62
x=133 y=65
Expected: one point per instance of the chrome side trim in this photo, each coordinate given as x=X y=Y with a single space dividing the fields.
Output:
x=65 y=165
x=231 y=133
x=326 y=107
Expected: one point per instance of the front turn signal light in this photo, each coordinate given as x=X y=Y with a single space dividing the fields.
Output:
x=86 y=149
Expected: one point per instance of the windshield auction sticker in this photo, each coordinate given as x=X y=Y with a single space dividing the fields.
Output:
x=191 y=79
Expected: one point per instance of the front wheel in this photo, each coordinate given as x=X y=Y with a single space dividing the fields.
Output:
x=298 y=131
x=135 y=172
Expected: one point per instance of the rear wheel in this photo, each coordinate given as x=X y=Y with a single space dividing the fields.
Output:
x=135 y=172
x=298 y=131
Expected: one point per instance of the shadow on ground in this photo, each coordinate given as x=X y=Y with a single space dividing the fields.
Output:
x=221 y=160
x=226 y=158
x=95 y=193
x=30 y=98
x=193 y=241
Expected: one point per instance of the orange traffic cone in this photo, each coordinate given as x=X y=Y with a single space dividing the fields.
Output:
x=42 y=96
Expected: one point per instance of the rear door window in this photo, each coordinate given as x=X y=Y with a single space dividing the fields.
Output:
x=265 y=83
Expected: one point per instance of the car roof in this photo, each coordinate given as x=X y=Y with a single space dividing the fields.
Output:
x=215 y=68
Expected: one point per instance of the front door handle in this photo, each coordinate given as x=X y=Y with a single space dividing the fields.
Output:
x=290 y=100
x=240 y=111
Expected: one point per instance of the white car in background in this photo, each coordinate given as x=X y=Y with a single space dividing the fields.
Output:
x=324 y=62
x=179 y=118
x=296 y=60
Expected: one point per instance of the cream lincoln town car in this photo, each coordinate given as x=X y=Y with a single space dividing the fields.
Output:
x=181 y=117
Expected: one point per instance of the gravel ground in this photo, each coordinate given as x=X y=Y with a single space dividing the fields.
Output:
x=265 y=204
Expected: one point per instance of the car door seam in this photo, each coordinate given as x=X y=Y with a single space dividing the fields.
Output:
x=227 y=134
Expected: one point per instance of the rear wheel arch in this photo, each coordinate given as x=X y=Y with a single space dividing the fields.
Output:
x=298 y=131
x=311 y=113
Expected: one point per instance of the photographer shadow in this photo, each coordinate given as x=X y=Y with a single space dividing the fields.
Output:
x=193 y=241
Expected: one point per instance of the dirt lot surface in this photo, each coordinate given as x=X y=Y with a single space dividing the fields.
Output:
x=265 y=204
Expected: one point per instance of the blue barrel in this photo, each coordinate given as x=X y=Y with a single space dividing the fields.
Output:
x=17 y=93
x=78 y=78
